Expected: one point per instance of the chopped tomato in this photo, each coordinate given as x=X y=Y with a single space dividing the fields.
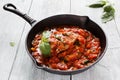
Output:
x=92 y=56
x=71 y=48
x=62 y=66
x=71 y=57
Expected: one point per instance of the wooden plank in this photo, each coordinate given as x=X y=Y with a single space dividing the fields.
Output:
x=11 y=28
x=117 y=14
x=47 y=8
x=23 y=68
x=112 y=35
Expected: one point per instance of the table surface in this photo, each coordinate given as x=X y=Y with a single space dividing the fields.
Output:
x=15 y=64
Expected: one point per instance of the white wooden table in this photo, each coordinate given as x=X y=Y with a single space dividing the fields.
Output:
x=15 y=63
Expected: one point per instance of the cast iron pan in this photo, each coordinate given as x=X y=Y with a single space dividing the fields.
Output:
x=64 y=19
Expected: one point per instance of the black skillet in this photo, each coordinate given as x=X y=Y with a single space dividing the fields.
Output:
x=64 y=19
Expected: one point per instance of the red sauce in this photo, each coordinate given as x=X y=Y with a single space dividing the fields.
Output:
x=71 y=48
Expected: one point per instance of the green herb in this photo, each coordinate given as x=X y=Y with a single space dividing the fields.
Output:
x=44 y=45
x=45 y=48
x=108 y=10
x=12 y=44
x=77 y=42
x=45 y=36
x=86 y=62
x=108 y=14
x=99 y=4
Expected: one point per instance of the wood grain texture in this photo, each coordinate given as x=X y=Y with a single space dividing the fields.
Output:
x=23 y=68
x=117 y=14
x=11 y=27
x=43 y=8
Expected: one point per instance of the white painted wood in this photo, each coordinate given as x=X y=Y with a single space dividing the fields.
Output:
x=11 y=27
x=111 y=63
x=117 y=14
x=23 y=68
x=45 y=8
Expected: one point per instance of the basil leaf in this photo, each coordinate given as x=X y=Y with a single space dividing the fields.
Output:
x=45 y=48
x=12 y=44
x=98 y=4
x=44 y=45
x=108 y=8
x=109 y=13
x=45 y=36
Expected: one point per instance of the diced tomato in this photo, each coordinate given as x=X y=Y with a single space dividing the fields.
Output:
x=81 y=49
x=74 y=68
x=54 y=66
x=35 y=54
x=81 y=32
x=87 y=52
x=71 y=57
x=54 y=60
x=95 y=44
x=69 y=64
x=38 y=37
x=62 y=66
x=92 y=56
x=89 y=38
x=89 y=45
x=78 y=64
x=62 y=55
x=82 y=40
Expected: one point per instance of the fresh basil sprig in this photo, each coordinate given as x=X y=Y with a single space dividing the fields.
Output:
x=108 y=10
x=44 y=44
x=99 y=4
x=108 y=13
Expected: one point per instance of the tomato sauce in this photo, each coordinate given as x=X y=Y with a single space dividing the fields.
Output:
x=71 y=48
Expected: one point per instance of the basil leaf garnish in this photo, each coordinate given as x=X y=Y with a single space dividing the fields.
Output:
x=98 y=4
x=108 y=16
x=109 y=13
x=108 y=10
x=44 y=44
x=45 y=48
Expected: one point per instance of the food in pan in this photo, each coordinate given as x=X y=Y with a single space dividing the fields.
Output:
x=65 y=48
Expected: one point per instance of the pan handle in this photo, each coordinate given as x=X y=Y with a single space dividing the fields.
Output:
x=12 y=8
